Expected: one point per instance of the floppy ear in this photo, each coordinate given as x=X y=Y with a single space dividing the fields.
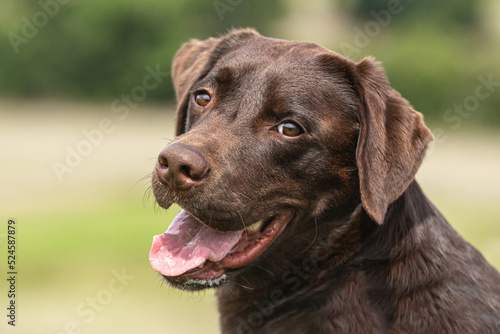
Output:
x=193 y=61
x=392 y=140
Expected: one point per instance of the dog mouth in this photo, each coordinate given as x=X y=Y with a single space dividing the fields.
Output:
x=193 y=256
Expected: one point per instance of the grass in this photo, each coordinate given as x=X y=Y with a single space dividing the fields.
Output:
x=67 y=260
x=74 y=235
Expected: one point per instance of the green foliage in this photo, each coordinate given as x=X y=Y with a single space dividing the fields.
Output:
x=460 y=12
x=101 y=48
x=425 y=63
x=434 y=52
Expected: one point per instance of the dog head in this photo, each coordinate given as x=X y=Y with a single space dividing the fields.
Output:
x=273 y=136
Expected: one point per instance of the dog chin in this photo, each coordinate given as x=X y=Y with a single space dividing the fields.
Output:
x=196 y=284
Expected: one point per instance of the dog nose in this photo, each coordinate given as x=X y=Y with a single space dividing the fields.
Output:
x=181 y=167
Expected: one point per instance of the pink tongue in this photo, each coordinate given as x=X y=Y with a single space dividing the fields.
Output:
x=187 y=243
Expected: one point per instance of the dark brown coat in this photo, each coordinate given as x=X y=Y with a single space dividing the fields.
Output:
x=365 y=252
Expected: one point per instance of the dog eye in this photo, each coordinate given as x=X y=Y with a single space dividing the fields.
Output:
x=289 y=129
x=202 y=98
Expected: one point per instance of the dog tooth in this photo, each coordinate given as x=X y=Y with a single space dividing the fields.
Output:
x=255 y=226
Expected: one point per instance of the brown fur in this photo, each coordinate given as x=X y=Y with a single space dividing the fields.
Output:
x=366 y=251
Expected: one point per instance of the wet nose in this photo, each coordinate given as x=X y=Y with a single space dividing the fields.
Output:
x=181 y=167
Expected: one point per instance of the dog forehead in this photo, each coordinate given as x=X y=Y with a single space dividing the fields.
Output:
x=267 y=52
x=291 y=70
x=270 y=64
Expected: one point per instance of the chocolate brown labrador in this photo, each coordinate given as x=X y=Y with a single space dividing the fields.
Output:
x=295 y=167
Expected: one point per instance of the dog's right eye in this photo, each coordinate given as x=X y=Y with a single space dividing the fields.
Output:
x=289 y=129
x=202 y=98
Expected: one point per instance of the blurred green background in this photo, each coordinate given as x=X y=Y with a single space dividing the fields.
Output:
x=84 y=231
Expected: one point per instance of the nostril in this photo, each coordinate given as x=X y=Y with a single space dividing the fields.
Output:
x=162 y=161
x=162 y=170
x=186 y=170
x=181 y=167
x=194 y=173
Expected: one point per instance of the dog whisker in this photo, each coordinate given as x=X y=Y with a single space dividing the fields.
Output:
x=147 y=195
x=243 y=223
x=243 y=286
x=266 y=270
x=146 y=177
x=242 y=194
x=315 y=236
x=168 y=140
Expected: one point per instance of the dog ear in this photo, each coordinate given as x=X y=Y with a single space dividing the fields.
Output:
x=190 y=63
x=392 y=140
x=193 y=61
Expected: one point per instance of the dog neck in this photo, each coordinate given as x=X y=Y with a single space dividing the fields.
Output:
x=343 y=249
x=325 y=243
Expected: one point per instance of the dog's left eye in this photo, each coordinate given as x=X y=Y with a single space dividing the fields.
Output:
x=289 y=129
x=202 y=98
